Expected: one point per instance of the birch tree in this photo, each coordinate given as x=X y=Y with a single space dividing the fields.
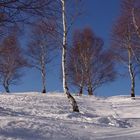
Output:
x=131 y=10
x=12 y=62
x=64 y=55
x=126 y=38
x=40 y=48
x=123 y=46
x=89 y=65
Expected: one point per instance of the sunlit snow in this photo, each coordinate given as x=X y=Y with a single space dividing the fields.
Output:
x=33 y=116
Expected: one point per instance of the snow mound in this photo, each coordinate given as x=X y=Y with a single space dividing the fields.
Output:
x=111 y=121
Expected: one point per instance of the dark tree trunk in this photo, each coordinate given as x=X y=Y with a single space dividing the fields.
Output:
x=44 y=90
x=132 y=94
x=90 y=90
x=43 y=71
x=131 y=73
x=72 y=101
x=81 y=91
x=133 y=87
x=44 y=81
x=6 y=88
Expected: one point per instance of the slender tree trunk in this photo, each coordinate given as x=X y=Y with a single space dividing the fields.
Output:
x=90 y=90
x=82 y=83
x=64 y=70
x=131 y=73
x=43 y=73
x=132 y=77
x=43 y=69
x=6 y=87
x=81 y=90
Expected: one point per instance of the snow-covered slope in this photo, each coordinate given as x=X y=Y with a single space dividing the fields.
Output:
x=48 y=117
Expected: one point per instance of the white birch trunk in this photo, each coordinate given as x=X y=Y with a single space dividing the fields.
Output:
x=64 y=68
x=131 y=73
x=43 y=69
x=64 y=48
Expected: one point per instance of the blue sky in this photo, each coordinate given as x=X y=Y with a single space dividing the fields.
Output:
x=100 y=16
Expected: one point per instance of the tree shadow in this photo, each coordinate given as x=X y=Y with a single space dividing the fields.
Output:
x=10 y=112
x=22 y=133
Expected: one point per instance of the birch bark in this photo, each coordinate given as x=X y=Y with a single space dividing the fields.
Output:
x=131 y=73
x=43 y=69
x=64 y=67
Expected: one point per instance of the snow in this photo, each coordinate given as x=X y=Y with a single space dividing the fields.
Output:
x=33 y=116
